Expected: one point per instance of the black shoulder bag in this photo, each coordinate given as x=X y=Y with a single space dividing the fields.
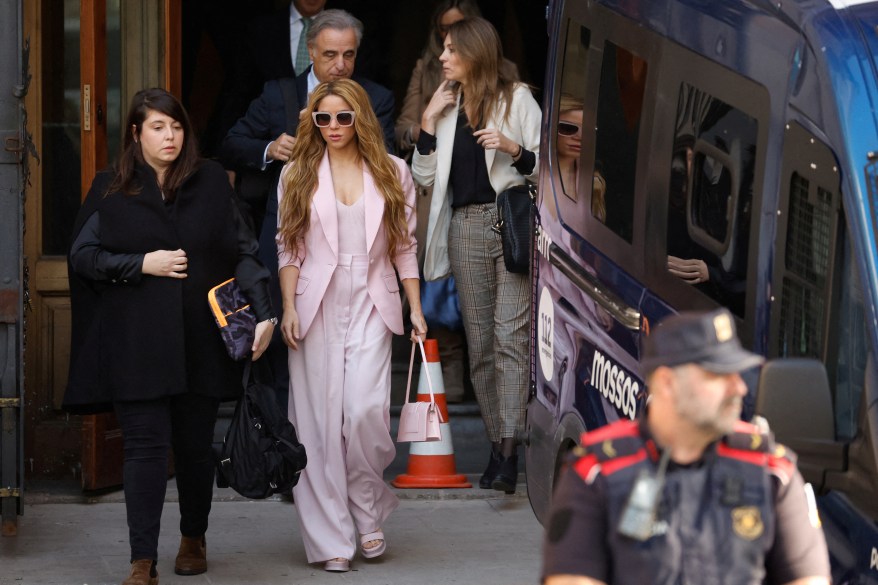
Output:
x=515 y=209
x=261 y=454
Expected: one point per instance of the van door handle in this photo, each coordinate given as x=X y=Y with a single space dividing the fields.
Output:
x=594 y=288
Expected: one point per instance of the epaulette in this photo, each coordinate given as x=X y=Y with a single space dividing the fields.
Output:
x=618 y=439
x=749 y=437
x=609 y=449
x=748 y=443
x=756 y=445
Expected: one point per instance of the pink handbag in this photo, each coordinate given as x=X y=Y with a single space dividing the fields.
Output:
x=419 y=421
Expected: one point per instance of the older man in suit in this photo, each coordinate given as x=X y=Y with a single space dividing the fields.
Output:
x=263 y=138
x=261 y=141
x=273 y=46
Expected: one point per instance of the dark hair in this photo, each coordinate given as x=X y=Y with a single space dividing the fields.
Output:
x=469 y=9
x=143 y=102
x=432 y=74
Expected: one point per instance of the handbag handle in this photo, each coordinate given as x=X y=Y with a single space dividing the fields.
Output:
x=245 y=379
x=254 y=371
x=408 y=386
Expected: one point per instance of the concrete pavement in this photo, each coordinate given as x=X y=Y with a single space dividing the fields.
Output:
x=435 y=537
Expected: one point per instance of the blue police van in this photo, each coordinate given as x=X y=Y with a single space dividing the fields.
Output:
x=704 y=153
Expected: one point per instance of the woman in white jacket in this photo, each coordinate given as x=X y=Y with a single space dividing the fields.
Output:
x=480 y=135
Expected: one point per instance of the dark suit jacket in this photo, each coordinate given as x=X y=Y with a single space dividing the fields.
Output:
x=268 y=117
x=265 y=55
x=268 y=45
x=261 y=53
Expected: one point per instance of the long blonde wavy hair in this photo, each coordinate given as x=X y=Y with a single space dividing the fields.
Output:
x=299 y=179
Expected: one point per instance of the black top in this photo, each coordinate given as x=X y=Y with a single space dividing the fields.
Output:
x=468 y=179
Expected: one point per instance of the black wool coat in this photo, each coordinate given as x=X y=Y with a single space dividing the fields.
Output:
x=157 y=337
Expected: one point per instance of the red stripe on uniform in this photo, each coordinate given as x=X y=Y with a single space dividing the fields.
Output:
x=622 y=428
x=782 y=467
x=613 y=465
x=752 y=457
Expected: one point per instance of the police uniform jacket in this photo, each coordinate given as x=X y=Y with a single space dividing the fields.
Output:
x=142 y=337
x=738 y=516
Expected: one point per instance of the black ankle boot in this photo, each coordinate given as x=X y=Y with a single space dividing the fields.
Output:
x=507 y=474
x=487 y=479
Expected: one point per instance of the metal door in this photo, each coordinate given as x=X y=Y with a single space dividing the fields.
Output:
x=12 y=170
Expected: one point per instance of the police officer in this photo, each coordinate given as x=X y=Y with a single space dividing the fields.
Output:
x=689 y=493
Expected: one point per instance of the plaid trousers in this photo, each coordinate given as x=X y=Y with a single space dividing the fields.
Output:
x=495 y=305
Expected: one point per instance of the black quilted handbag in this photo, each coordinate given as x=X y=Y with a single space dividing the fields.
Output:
x=261 y=454
x=234 y=317
x=515 y=208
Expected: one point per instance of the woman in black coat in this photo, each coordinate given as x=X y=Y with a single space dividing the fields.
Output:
x=154 y=234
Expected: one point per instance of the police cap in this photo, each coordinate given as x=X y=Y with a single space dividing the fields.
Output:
x=706 y=339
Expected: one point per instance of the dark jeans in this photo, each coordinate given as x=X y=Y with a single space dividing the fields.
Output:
x=149 y=430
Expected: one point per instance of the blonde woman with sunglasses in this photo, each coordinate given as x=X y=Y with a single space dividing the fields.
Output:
x=345 y=231
x=569 y=150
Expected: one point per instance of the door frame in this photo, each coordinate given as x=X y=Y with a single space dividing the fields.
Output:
x=102 y=445
x=58 y=445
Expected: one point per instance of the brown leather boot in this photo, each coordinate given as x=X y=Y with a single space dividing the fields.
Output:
x=192 y=556
x=142 y=573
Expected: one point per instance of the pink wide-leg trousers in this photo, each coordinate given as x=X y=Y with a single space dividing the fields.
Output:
x=339 y=403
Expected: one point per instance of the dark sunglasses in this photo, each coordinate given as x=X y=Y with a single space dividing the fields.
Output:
x=568 y=128
x=324 y=119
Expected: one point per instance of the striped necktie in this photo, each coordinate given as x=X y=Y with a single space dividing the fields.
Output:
x=302 y=57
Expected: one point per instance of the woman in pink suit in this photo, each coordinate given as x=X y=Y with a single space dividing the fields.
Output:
x=345 y=228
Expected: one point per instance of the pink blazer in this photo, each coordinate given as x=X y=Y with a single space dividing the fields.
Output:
x=317 y=256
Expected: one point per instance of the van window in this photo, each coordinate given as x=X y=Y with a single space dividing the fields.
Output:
x=809 y=234
x=711 y=196
x=821 y=313
x=849 y=328
x=620 y=103
x=810 y=223
x=805 y=330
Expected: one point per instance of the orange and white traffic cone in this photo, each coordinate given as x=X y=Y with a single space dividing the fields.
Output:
x=431 y=463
